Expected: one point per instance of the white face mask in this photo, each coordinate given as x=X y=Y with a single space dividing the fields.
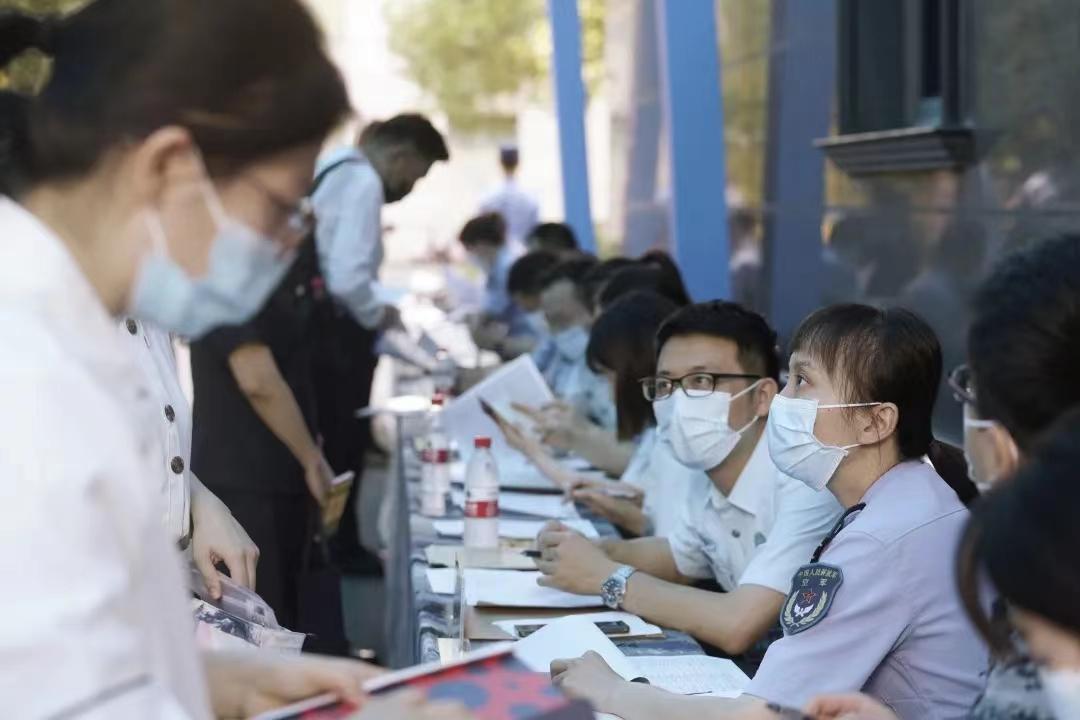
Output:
x=571 y=342
x=698 y=431
x=1062 y=688
x=794 y=448
x=244 y=268
x=664 y=410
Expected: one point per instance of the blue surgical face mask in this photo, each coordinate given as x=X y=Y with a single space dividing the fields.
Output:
x=243 y=269
x=571 y=342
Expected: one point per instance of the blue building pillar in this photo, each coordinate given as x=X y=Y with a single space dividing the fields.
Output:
x=570 y=103
x=802 y=82
x=693 y=109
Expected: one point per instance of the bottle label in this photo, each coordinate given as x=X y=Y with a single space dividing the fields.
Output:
x=482 y=508
x=431 y=455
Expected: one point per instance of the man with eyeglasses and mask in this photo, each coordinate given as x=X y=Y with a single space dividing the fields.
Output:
x=745 y=526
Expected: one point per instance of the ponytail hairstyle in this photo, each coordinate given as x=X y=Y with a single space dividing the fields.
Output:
x=892 y=356
x=246 y=78
x=623 y=341
x=1023 y=538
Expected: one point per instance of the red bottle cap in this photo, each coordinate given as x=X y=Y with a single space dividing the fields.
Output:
x=482 y=442
x=438 y=399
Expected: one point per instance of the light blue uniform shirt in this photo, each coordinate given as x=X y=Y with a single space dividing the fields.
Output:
x=348 y=206
x=896 y=628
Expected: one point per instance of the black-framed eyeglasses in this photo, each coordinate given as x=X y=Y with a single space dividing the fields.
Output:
x=299 y=216
x=962 y=385
x=699 y=384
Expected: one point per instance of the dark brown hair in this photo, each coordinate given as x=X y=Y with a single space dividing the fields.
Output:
x=755 y=340
x=623 y=340
x=887 y=355
x=409 y=130
x=486 y=229
x=247 y=79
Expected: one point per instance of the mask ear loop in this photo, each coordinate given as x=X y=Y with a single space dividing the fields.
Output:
x=210 y=194
x=739 y=394
x=158 y=238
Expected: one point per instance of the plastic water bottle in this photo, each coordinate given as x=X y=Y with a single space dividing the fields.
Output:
x=482 y=498
x=435 y=464
x=445 y=372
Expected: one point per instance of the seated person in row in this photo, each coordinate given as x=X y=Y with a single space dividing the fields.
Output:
x=484 y=238
x=524 y=284
x=744 y=525
x=553 y=237
x=876 y=608
x=648 y=499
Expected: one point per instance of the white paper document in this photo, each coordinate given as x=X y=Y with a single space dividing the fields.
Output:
x=570 y=637
x=692 y=674
x=545 y=506
x=442 y=580
x=513 y=529
x=638 y=627
x=516 y=588
x=518 y=381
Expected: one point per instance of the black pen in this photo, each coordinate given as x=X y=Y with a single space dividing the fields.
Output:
x=534 y=554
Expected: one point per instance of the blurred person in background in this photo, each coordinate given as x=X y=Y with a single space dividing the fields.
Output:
x=598 y=276
x=582 y=420
x=554 y=237
x=137 y=186
x=524 y=284
x=518 y=208
x=352 y=184
x=658 y=273
x=500 y=324
x=646 y=499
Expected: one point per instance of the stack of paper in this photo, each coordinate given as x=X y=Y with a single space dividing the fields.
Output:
x=514 y=529
x=545 y=506
x=512 y=588
x=573 y=636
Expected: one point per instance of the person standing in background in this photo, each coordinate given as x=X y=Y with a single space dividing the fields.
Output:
x=255 y=444
x=518 y=208
x=353 y=183
x=500 y=325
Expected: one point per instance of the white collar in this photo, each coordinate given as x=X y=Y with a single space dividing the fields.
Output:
x=754 y=484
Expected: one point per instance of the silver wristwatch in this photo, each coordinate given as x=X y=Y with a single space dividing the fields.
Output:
x=613 y=590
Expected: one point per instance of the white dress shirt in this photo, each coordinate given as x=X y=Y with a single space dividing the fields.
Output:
x=154 y=354
x=518 y=208
x=895 y=628
x=665 y=481
x=760 y=534
x=94 y=621
x=348 y=206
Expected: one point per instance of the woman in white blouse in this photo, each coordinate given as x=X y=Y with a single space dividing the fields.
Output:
x=159 y=174
x=198 y=521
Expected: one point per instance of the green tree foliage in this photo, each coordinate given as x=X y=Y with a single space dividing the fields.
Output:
x=477 y=57
x=26 y=73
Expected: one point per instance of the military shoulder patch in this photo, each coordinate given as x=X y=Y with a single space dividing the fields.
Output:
x=813 y=590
